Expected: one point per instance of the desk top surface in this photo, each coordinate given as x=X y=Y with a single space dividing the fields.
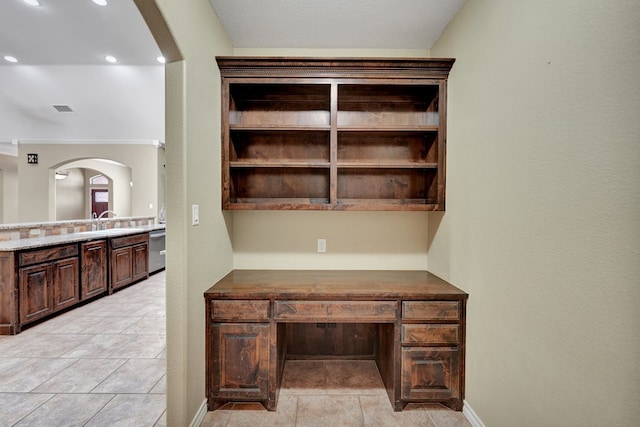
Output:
x=333 y=285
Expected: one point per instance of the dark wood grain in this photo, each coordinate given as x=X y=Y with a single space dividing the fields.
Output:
x=94 y=269
x=377 y=125
x=38 y=283
x=129 y=260
x=9 y=303
x=412 y=323
x=350 y=285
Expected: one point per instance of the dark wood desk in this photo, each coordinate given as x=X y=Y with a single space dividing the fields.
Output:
x=411 y=323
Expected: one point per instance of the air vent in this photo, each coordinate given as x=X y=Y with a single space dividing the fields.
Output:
x=63 y=108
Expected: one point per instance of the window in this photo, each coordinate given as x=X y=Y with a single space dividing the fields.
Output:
x=99 y=180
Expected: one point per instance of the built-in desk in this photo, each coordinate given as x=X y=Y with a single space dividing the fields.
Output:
x=411 y=323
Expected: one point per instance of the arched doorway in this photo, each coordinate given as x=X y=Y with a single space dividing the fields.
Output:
x=76 y=187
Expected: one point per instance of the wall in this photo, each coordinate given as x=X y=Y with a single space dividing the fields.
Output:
x=543 y=205
x=70 y=196
x=196 y=256
x=355 y=240
x=9 y=193
x=35 y=202
x=120 y=190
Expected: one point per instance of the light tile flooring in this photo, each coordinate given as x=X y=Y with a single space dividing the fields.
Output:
x=102 y=364
x=333 y=393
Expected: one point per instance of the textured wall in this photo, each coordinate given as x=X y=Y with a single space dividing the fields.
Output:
x=543 y=208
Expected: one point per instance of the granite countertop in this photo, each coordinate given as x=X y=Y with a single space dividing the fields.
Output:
x=37 y=242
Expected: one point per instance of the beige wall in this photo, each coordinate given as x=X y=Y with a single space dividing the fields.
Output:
x=70 y=196
x=196 y=256
x=9 y=189
x=542 y=222
x=35 y=201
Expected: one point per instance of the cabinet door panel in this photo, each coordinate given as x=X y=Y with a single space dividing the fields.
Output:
x=241 y=357
x=35 y=292
x=121 y=267
x=94 y=269
x=140 y=262
x=65 y=283
x=430 y=373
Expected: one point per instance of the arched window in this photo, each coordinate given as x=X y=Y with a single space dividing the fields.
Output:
x=99 y=180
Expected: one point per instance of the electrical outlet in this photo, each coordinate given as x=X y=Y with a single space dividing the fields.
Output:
x=195 y=214
x=322 y=245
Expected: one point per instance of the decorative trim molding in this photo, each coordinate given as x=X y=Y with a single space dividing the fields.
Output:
x=246 y=66
x=199 y=417
x=471 y=415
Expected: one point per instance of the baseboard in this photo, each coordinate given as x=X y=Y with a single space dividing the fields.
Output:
x=202 y=412
x=472 y=417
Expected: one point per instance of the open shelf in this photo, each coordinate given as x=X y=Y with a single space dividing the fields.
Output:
x=333 y=133
x=374 y=184
x=281 y=105
x=381 y=105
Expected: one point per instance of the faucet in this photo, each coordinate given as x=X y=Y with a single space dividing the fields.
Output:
x=104 y=225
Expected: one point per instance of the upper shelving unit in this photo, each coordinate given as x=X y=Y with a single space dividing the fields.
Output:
x=333 y=133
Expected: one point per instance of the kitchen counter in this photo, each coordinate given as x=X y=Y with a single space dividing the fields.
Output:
x=41 y=277
x=37 y=242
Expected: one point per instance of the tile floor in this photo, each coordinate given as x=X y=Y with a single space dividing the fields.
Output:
x=102 y=364
x=333 y=393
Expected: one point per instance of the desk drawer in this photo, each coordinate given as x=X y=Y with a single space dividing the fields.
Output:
x=233 y=310
x=336 y=311
x=430 y=334
x=431 y=310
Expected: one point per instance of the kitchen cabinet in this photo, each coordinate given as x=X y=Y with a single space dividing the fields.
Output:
x=333 y=133
x=48 y=281
x=94 y=269
x=413 y=324
x=38 y=280
x=129 y=258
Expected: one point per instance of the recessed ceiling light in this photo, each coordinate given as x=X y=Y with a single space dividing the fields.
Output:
x=32 y=2
x=100 y=2
x=161 y=59
x=10 y=58
x=111 y=59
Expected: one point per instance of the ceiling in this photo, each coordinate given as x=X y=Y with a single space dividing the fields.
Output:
x=60 y=47
x=335 y=24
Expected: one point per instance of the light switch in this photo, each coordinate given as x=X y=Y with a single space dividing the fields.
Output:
x=195 y=214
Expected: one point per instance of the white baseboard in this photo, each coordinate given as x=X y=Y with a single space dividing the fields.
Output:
x=471 y=415
x=202 y=412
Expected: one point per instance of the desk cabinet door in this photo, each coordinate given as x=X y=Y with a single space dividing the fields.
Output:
x=241 y=360
x=430 y=373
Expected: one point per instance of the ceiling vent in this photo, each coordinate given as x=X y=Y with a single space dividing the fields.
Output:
x=63 y=108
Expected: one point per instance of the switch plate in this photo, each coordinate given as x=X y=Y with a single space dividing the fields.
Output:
x=195 y=214
x=322 y=245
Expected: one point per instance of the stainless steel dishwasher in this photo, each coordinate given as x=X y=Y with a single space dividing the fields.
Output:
x=157 y=251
